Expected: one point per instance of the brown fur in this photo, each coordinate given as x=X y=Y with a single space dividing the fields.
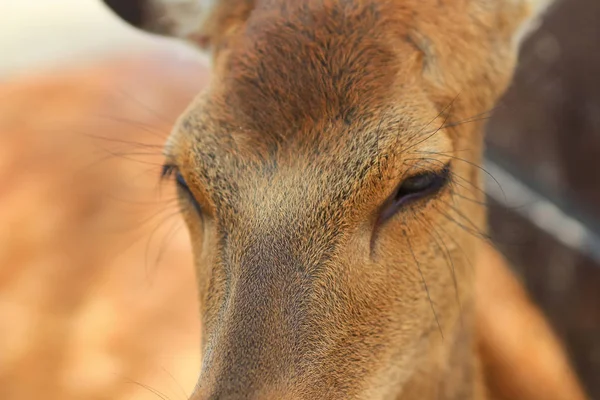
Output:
x=105 y=321
x=522 y=357
x=315 y=112
x=87 y=311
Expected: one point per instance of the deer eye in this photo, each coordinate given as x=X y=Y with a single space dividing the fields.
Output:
x=183 y=186
x=416 y=187
x=170 y=171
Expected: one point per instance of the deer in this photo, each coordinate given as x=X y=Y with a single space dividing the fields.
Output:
x=329 y=177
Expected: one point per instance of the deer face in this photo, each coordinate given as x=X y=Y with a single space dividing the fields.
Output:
x=329 y=178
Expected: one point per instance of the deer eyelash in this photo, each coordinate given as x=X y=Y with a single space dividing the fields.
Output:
x=168 y=171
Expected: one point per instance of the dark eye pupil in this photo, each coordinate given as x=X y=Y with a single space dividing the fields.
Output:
x=415 y=184
x=415 y=188
x=421 y=185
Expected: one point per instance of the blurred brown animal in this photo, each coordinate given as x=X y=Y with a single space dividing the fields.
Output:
x=87 y=311
x=327 y=178
x=79 y=326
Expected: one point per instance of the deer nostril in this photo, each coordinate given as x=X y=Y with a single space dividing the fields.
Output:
x=132 y=11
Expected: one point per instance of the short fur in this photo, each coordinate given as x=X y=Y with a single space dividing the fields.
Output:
x=316 y=111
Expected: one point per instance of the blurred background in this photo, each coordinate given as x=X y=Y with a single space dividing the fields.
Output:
x=97 y=291
x=543 y=151
x=96 y=285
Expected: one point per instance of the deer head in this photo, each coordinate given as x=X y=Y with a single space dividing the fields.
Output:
x=329 y=176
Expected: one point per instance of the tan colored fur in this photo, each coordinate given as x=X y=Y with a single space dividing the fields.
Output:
x=87 y=310
x=522 y=357
x=104 y=319
x=315 y=113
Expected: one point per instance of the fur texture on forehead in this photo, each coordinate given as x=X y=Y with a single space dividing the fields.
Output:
x=323 y=62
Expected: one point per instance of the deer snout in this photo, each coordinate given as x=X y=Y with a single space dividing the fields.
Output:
x=256 y=343
x=262 y=395
x=223 y=394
